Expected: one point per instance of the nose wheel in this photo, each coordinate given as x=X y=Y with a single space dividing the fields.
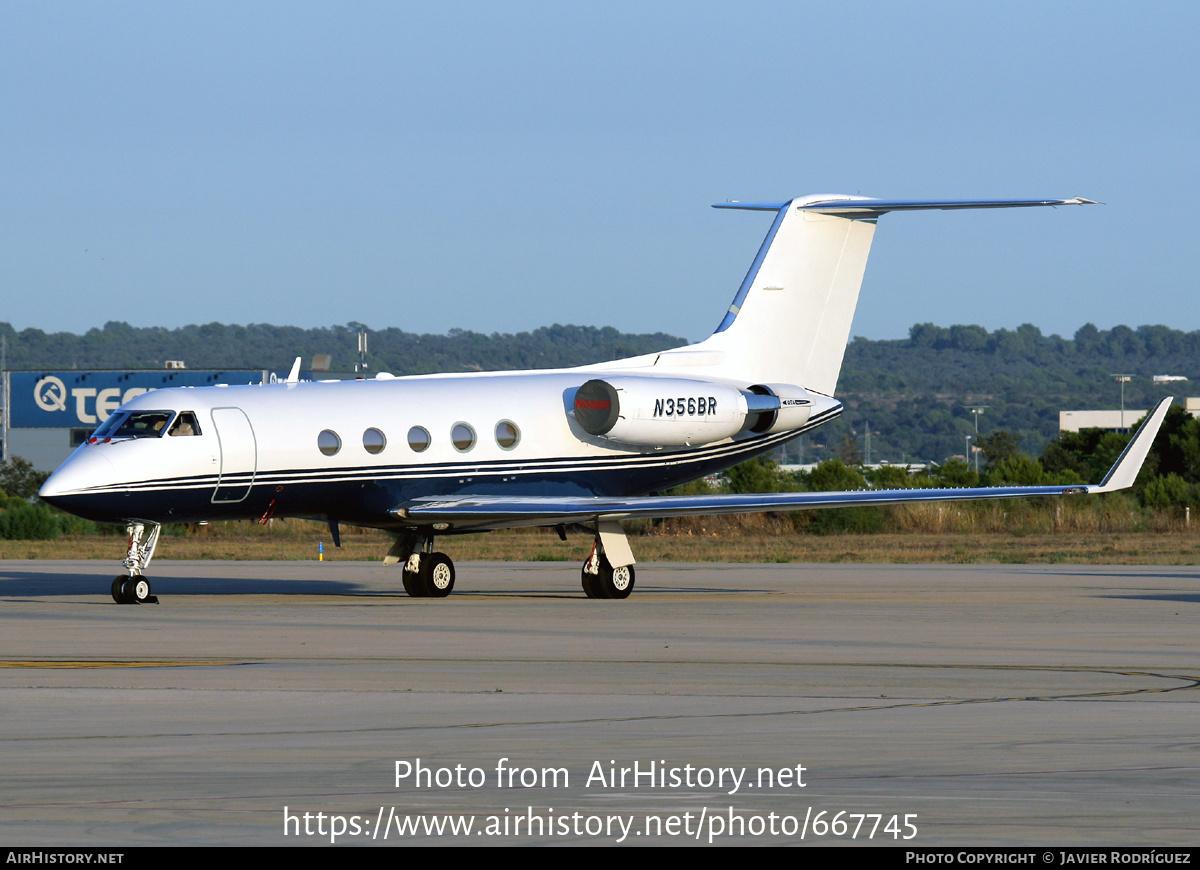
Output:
x=128 y=589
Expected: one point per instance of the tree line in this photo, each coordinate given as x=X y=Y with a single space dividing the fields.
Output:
x=913 y=395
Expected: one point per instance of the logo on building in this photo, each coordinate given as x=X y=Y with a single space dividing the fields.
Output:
x=50 y=394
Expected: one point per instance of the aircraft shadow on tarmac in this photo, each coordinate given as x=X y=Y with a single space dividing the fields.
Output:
x=1132 y=575
x=22 y=584
x=1186 y=597
x=30 y=584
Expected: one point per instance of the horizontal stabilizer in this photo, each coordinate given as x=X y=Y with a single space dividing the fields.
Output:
x=864 y=207
x=485 y=512
x=752 y=206
x=791 y=316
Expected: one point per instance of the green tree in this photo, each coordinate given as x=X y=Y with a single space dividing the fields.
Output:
x=889 y=477
x=754 y=475
x=998 y=447
x=953 y=472
x=1021 y=470
x=20 y=479
x=1170 y=491
x=833 y=475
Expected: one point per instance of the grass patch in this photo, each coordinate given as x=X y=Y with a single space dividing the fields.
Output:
x=297 y=541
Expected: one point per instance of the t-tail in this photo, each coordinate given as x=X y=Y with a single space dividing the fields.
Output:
x=791 y=317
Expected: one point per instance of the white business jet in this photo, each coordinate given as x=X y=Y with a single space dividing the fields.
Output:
x=581 y=448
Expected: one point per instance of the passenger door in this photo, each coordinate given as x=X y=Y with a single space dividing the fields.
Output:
x=238 y=455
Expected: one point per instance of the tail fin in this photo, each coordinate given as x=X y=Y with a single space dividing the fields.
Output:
x=791 y=318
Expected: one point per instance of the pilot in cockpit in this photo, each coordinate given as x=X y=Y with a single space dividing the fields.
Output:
x=185 y=424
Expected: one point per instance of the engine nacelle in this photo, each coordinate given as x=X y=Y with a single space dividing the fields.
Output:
x=660 y=412
x=792 y=407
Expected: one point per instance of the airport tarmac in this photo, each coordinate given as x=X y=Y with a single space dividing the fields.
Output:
x=956 y=705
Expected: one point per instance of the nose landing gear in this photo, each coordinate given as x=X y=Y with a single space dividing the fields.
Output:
x=127 y=589
x=134 y=588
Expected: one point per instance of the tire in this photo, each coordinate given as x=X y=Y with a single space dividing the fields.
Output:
x=437 y=575
x=135 y=590
x=615 y=582
x=413 y=584
x=609 y=582
x=591 y=584
x=138 y=590
x=117 y=595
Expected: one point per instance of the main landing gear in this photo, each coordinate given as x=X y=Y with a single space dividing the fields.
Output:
x=608 y=571
x=426 y=574
x=602 y=580
x=134 y=588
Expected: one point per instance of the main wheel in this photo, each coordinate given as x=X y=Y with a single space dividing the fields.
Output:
x=413 y=584
x=615 y=582
x=608 y=582
x=117 y=596
x=591 y=582
x=437 y=575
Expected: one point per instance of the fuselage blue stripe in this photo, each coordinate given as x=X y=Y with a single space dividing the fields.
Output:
x=366 y=500
x=515 y=468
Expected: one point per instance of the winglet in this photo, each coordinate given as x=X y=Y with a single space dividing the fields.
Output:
x=294 y=375
x=1125 y=469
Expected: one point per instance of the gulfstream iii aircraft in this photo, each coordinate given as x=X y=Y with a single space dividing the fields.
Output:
x=581 y=448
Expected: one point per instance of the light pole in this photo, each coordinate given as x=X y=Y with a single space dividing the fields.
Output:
x=976 y=410
x=362 y=352
x=1122 y=380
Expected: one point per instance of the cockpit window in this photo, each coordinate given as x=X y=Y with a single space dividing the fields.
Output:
x=142 y=424
x=114 y=420
x=185 y=424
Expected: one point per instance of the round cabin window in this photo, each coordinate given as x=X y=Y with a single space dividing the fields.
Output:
x=507 y=434
x=463 y=437
x=374 y=441
x=418 y=439
x=328 y=442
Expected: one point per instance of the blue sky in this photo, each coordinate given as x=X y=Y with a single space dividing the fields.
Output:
x=499 y=167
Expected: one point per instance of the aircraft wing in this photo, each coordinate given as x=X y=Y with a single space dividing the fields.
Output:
x=490 y=512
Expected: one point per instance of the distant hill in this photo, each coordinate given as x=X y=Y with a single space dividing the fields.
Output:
x=912 y=392
x=259 y=345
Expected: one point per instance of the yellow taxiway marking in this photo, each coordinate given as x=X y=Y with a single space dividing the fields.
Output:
x=24 y=663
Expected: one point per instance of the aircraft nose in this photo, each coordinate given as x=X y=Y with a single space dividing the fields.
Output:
x=79 y=474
